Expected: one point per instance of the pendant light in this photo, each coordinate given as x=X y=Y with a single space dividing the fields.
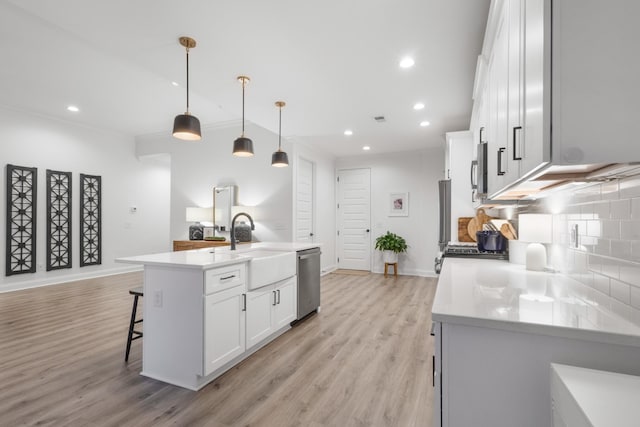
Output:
x=243 y=146
x=279 y=159
x=186 y=126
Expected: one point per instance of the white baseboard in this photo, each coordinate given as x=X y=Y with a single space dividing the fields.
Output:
x=47 y=281
x=328 y=270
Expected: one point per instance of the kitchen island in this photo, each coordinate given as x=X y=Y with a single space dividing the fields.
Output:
x=206 y=310
x=498 y=328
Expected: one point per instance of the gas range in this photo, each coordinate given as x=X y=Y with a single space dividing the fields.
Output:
x=466 y=250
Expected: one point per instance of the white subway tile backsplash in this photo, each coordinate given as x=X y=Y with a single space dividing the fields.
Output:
x=602 y=284
x=595 y=263
x=610 y=229
x=630 y=273
x=630 y=230
x=621 y=209
x=635 y=297
x=620 y=291
x=621 y=249
x=603 y=247
x=611 y=268
x=635 y=208
x=594 y=228
x=607 y=258
x=635 y=251
x=601 y=210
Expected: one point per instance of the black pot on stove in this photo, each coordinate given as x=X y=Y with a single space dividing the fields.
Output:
x=491 y=241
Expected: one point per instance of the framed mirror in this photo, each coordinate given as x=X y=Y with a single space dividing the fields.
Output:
x=223 y=201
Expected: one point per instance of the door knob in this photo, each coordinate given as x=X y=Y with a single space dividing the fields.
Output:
x=310 y=234
x=367 y=230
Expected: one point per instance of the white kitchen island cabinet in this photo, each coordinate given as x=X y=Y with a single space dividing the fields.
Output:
x=269 y=309
x=498 y=328
x=199 y=318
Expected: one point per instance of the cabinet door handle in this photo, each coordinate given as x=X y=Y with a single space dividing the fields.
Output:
x=244 y=302
x=481 y=135
x=515 y=131
x=278 y=296
x=228 y=277
x=433 y=365
x=500 y=151
x=473 y=172
x=275 y=301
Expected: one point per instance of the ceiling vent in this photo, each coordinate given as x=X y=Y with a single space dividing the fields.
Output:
x=380 y=119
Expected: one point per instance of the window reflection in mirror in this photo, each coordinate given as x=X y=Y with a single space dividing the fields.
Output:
x=223 y=200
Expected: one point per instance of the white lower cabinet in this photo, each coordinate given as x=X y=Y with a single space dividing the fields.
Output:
x=224 y=327
x=269 y=309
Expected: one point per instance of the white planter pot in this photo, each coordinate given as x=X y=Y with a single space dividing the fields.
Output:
x=389 y=257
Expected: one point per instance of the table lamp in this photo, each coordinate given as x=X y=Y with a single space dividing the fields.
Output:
x=536 y=229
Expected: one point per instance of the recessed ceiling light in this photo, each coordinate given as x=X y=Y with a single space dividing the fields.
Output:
x=348 y=132
x=418 y=106
x=407 y=62
x=366 y=148
x=425 y=123
x=73 y=108
x=175 y=84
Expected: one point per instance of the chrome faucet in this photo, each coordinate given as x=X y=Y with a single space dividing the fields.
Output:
x=233 y=228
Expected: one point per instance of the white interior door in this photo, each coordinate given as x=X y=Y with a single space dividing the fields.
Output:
x=354 y=219
x=304 y=201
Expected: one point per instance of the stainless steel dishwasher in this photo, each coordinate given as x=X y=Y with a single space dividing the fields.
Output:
x=308 y=281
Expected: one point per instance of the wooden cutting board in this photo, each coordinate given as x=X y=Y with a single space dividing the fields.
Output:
x=476 y=223
x=463 y=226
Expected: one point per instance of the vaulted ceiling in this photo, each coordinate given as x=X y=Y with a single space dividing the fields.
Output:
x=334 y=62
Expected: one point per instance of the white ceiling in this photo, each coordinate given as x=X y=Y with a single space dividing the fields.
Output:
x=335 y=63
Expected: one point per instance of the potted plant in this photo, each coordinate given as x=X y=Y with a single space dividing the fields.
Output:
x=391 y=245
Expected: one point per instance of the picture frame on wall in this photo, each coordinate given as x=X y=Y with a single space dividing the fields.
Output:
x=399 y=204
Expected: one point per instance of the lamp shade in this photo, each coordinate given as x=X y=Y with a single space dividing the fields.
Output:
x=243 y=147
x=187 y=127
x=199 y=214
x=536 y=228
x=279 y=159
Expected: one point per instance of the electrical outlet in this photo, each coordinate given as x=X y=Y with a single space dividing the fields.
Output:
x=157 y=299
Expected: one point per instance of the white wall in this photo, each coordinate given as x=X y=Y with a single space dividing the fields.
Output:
x=34 y=141
x=196 y=168
x=324 y=203
x=418 y=173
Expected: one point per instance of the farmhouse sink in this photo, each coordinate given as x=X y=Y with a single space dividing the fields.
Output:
x=267 y=267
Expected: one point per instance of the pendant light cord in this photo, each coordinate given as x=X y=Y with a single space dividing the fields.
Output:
x=243 y=83
x=280 y=130
x=187 y=80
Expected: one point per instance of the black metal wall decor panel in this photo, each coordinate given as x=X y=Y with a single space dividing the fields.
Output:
x=90 y=220
x=58 y=220
x=21 y=219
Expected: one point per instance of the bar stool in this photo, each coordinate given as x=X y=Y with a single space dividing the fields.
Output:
x=133 y=334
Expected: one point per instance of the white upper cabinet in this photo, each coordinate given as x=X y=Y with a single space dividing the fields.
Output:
x=560 y=87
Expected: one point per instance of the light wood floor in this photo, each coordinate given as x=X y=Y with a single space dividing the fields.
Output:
x=364 y=360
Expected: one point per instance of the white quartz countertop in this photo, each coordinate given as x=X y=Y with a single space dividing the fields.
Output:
x=605 y=398
x=214 y=257
x=501 y=295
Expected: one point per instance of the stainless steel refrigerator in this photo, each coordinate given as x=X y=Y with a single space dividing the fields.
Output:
x=444 y=199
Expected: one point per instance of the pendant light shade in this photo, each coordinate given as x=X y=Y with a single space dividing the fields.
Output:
x=243 y=146
x=279 y=159
x=186 y=126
